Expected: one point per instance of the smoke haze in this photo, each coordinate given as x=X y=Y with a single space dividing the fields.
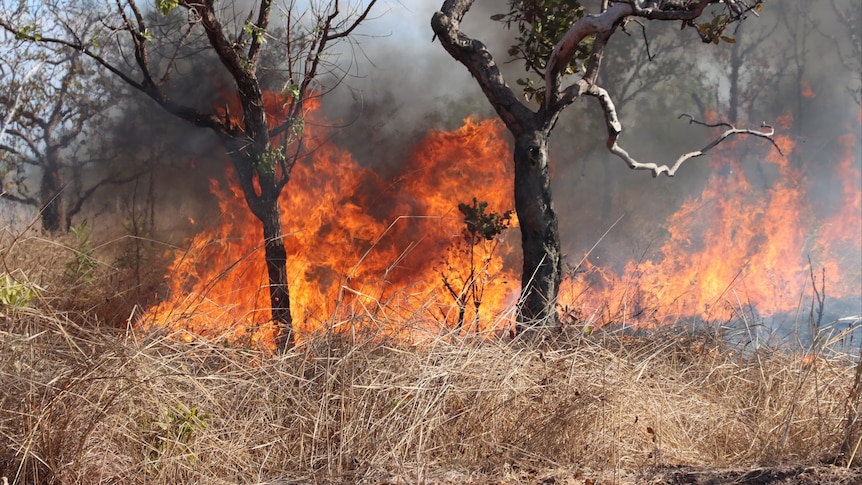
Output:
x=402 y=84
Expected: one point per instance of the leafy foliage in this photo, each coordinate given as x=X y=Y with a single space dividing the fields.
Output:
x=540 y=25
x=254 y=31
x=268 y=160
x=83 y=264
x=15 y=294
x=467 y=268
x=481 y=224
x=165 y=6
x=713 y=30
x=171 y=435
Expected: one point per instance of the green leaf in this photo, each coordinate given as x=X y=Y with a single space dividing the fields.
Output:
x=540 y=25
x=299 y=126
x=729 y=40
x=15 y=294
x=292 y=90
x=165 y=6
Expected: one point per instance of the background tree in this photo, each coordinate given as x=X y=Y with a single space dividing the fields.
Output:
x=848 y=41
x=556 y=39
x=50 y=135
x=262 y=139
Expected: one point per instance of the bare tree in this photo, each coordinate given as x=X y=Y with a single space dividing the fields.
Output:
x=50 y=98
x=570 y=41
x=263 y=147
x=849 y=16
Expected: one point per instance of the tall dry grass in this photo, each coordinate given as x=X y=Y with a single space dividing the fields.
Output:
x=87 y=403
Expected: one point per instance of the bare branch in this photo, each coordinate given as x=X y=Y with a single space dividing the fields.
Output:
x=18 y=199
x=361 y=18
x=11 y=114
x=327 y=34
x=614 y=128
x=83 y=197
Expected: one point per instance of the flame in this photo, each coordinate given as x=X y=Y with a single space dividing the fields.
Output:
x=368 y=251
x=733 y=248
x=363 y=250
x=806 y=90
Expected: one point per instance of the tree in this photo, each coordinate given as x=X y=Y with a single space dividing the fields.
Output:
x=557 y=39
x=849 y=17
x=48 y=111
x=466 y=269
x=263 y=140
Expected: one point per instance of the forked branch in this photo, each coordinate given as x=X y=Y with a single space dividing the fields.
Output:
x=615 y=129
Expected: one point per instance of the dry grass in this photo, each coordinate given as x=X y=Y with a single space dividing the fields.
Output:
x=83 y=403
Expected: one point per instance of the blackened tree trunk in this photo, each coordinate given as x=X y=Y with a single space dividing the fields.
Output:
x=276 y=268
x=256 y=163
x=261 y=189
x=540 y=237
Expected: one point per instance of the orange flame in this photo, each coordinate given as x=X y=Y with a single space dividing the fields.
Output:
x=807 y=92
x=371 y=252
x=734 y=248
x=357 y=244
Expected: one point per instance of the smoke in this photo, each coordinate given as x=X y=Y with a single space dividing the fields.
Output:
x=400 y=83
x=407 y=84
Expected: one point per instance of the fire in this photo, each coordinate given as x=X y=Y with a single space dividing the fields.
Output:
x=733 y=249
x=806 y=90
x=368 y=252
x=363 y=251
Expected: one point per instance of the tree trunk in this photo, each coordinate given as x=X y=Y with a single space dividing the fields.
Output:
x=540 y=237
x=261 y=191
x=51 y=200
x=276 y=267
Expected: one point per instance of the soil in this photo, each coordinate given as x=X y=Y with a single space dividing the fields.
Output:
x=786 y=475
x=761 y=476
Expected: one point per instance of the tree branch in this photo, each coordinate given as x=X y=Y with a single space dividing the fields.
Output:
x=83 y=197
x=17 y=199
x=11 y=114
x=312 y=64
x=476 y=57
x=614 y=128
x=604 y=23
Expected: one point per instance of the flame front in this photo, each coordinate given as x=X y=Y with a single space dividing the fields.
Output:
x=735 y=249
x=363 y=251
x=372 y=252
